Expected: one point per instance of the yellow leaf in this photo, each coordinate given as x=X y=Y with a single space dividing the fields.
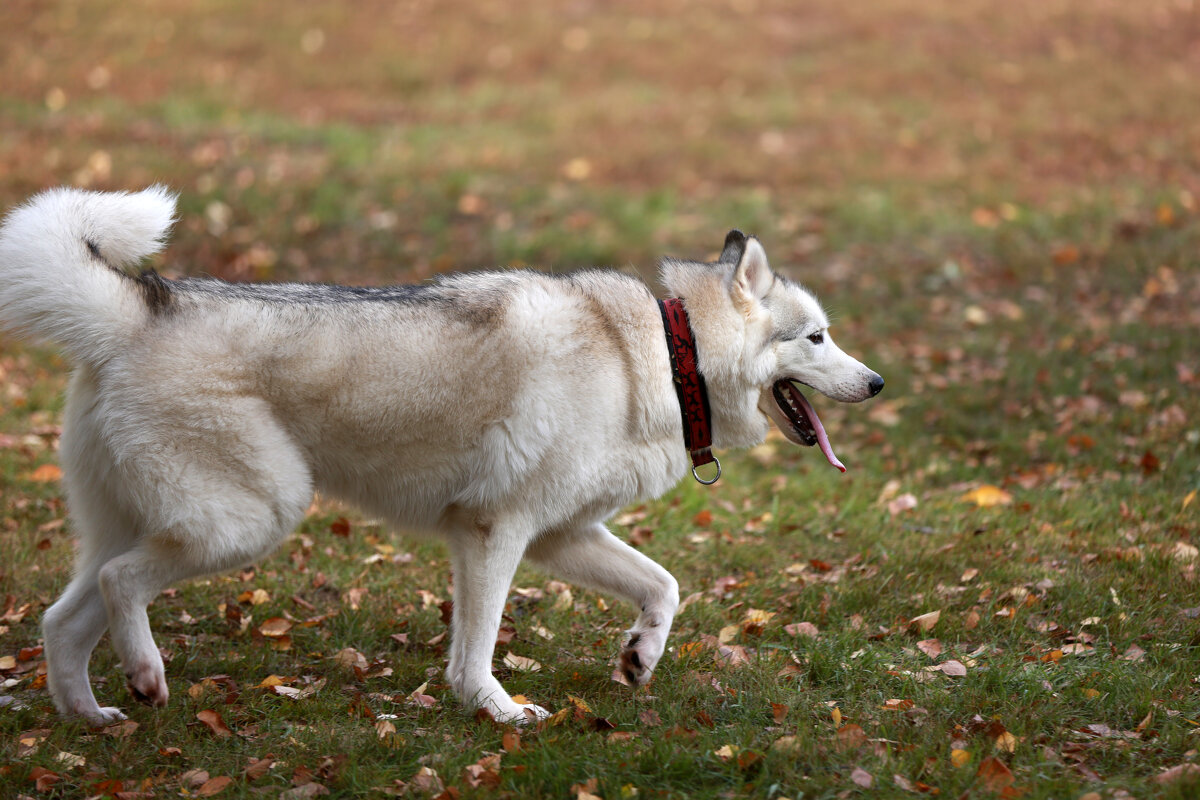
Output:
x=1006 y=742
x=836 y=714
x=269 y=681
x=987 y=496
x=1091 y=693
x=959 y=758
x=727 y=634
x=1187 y=500
x=726 y=752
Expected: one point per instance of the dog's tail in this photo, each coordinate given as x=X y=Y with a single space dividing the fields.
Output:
x=61 y=256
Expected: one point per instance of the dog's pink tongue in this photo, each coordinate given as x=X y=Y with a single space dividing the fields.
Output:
x=819 y=429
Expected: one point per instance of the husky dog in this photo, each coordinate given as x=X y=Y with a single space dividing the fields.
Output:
x=510 y=412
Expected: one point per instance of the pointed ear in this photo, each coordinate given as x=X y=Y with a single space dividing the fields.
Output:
x=752 y=278
x=735 y=245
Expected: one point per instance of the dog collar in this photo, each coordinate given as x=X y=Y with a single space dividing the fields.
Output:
x=689 y=386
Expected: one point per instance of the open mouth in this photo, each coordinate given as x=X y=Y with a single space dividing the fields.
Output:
x=803 y=424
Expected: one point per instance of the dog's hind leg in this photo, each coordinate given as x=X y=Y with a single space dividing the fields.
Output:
x=484 y=559
x=221 y=541
x=592 y=557
x=218 y=504
x=73 y=625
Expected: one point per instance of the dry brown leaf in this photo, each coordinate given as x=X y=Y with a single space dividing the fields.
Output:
x=520 y=663
x=275 y=627
x=212 y=720
x=860 y=777
x=930 y=647
x=994 y=774
x=850 y=736
x=953 y=668
x=1177 y=774
x=802 y=629
x=925 y=622
x=213 y=786
x=349 y=658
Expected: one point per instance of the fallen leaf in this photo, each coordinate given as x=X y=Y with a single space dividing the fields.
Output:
x=521 y=663
x=862 y=778
x=897 y=705
x=994 y=774
x=726 y=752
x=925 y=622
x=959 y=758
x=212 y=720
x=802 y=629
x=43 y=778
x=427 y=780
x=953 y=668
x=46 y=473
x=930 y=647
x=213 y=786
x=1182 y=772
x=275 y=627
x=987 y=496
x=349 y=658
x=850 y=736
x=786 y=744
x=905 y=502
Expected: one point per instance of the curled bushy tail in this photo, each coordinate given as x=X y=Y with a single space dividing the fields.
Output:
x=61 y=255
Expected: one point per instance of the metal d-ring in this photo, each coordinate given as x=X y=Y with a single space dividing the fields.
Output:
x=716 y=477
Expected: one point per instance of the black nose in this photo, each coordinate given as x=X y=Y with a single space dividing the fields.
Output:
x=876 y=385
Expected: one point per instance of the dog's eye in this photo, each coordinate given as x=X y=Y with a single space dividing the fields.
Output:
x=817 y=338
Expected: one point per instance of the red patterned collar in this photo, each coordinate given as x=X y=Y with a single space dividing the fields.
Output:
x=690 y=386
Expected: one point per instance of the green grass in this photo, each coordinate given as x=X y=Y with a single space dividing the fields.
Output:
x=997 y=206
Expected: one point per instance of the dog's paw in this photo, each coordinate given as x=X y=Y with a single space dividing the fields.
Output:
x=636 y=662
x=518 y=713
x=106 y=715
x=148 y=685
x=96 y=716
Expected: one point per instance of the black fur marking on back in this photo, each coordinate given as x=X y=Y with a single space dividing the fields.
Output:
x=156 y=291
x=312 y=293
x=93 y=249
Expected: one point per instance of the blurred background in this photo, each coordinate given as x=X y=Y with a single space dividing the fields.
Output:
x=996 y=200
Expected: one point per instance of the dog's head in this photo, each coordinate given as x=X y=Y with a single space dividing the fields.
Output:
x=759 y=336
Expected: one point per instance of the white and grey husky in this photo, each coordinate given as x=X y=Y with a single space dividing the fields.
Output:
x=510 y=412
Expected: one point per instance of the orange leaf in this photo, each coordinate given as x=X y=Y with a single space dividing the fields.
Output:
x=994 y=774
x=46 y=473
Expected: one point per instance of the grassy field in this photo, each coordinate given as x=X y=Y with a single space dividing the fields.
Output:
x=997 y=202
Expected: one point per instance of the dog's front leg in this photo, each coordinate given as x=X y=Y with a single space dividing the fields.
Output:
x=591 y=556
x=484 y=559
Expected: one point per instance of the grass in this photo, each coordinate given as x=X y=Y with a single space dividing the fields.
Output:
x=999 y=208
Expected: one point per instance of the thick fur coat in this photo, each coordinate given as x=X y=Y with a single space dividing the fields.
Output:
x=511 y=413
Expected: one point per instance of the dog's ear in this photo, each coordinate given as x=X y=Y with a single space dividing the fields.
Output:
x=752 y=278
x=735 y=245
